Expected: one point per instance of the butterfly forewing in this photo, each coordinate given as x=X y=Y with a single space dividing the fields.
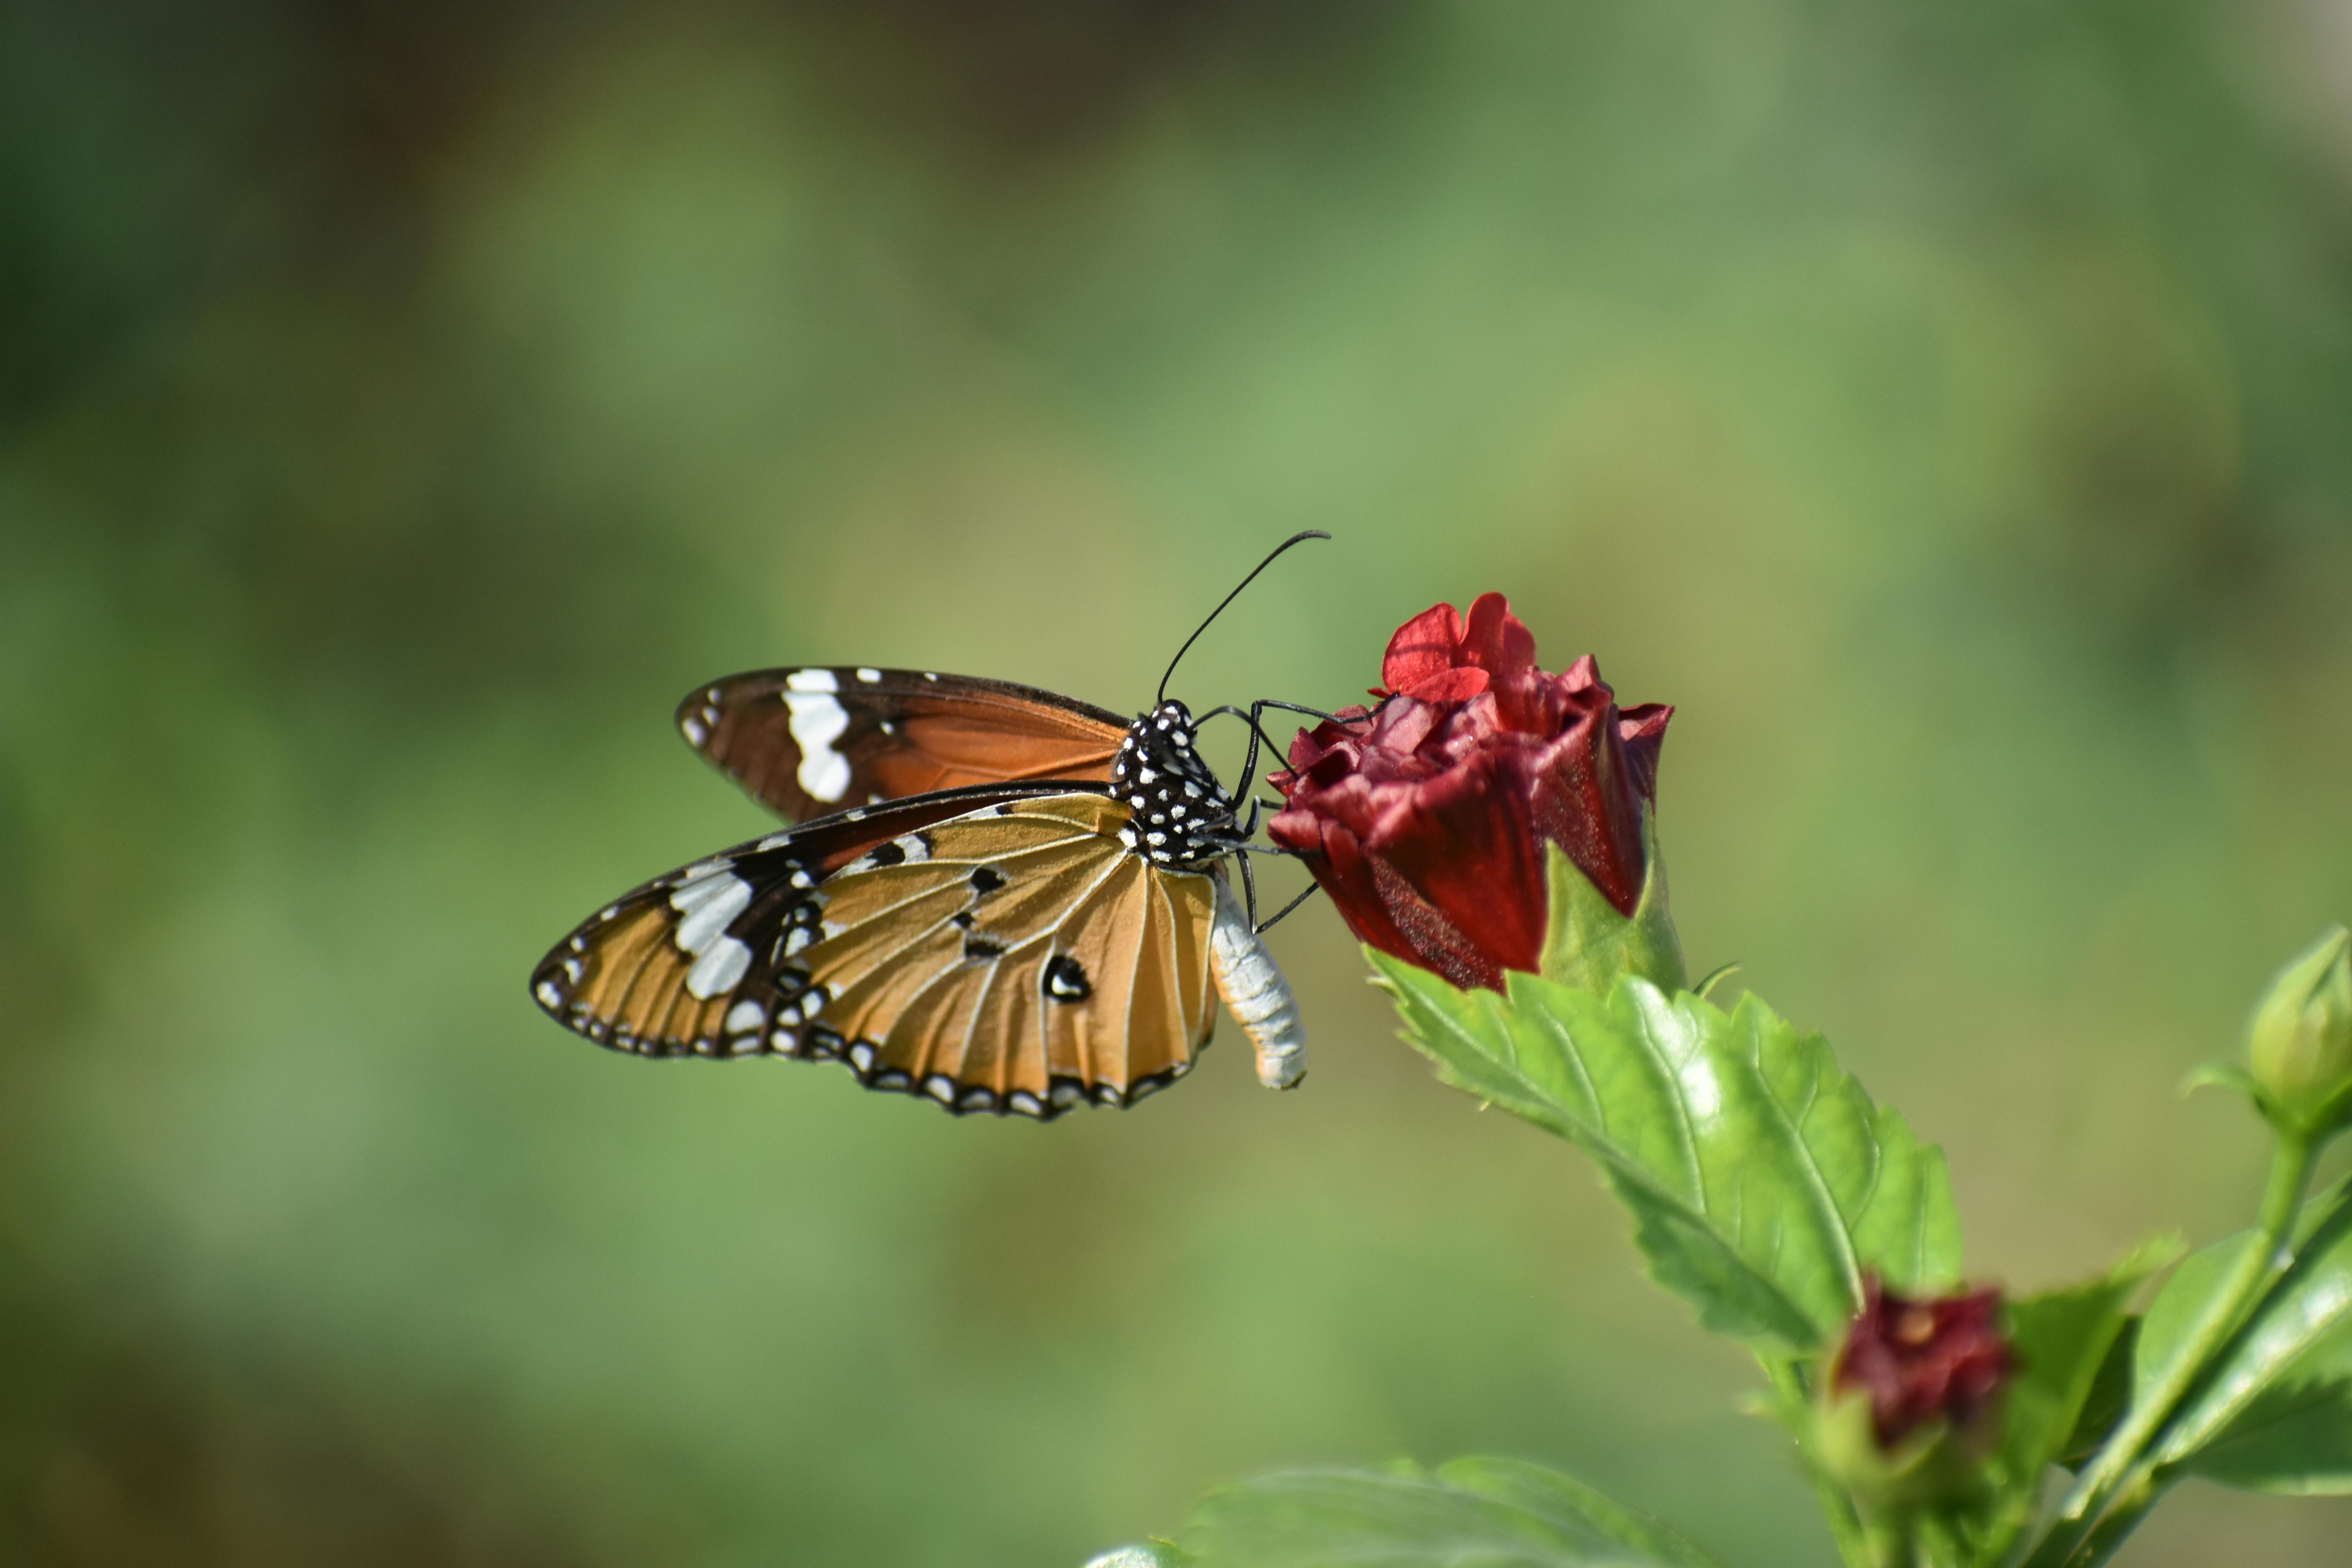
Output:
x=997 y=949
x=814 y=739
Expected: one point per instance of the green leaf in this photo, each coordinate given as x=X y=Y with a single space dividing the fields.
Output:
x=1763 y=1181
x=2062 y=1340
x=2109 y=1399
x=1587 y=944
x=1497 y=1513
x=2180 y=1311
x=2275 y=1413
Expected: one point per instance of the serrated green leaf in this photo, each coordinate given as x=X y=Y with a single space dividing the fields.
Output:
x=1497 y=1513
x=1763 y=1181
x=2275 y=1413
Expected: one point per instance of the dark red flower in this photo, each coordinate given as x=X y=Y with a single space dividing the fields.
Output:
x=1425 y=817
x=1922 y=1360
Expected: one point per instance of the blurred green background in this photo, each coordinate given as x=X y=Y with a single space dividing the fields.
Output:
x=1945 y=406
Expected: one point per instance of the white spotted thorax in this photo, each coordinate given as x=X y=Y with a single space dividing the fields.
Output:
x=1183 y=817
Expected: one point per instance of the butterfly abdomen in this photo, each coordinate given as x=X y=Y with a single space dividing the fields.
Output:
x=1257 y=994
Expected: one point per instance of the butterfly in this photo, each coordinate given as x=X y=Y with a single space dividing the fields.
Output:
x=995 y=897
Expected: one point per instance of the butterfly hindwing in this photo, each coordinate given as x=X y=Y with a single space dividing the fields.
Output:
x=1026 y=961
x=993 y=949
x=809 y=741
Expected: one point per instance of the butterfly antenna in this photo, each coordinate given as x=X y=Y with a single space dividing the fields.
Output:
x=1295 y=539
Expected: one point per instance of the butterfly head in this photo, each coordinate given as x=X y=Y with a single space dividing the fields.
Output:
x=1183 y=817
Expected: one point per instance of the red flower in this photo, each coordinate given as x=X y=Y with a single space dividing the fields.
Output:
x=1920 y=1360
x=1424 y=817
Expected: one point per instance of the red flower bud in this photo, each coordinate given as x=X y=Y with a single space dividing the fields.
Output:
x=1926 y=1359
x=1425 y=818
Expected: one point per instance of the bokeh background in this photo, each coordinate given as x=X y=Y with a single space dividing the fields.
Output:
x=1948 y=406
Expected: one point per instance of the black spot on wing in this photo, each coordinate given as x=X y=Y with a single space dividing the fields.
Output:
x=1066 y=979
x=986 y=878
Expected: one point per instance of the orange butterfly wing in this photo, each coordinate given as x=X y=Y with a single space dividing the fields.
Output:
x=809 y=741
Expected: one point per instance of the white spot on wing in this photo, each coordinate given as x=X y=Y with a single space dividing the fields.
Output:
x=549 y=994
x=817 y=721
x=868 y=675
x=720 y=967
x=708 y=903
x=746 y=1017
x=695 y=732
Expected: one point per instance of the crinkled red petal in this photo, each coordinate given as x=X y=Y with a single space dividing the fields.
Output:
x=1422 y=646
x=1585 y=799
x=1465 y=843
x=1643 y=732
x=1335 y=858
x=1449 y=684
x=1496 y=640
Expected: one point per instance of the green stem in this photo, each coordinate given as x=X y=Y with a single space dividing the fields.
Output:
x=1895 y=1541
x=2258 y=1266
x=2115 y=1529
x=1837 y=1508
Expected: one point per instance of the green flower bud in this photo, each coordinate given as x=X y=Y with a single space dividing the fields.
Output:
x=2300 y=1043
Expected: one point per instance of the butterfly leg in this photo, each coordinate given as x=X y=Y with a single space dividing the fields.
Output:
x=1312 y=888
x=1257 y=730
x=1257 y=737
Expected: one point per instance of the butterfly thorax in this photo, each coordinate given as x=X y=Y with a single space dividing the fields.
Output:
x=1183 y=817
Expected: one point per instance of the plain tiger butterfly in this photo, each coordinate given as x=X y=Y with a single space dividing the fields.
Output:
x=1023 y=906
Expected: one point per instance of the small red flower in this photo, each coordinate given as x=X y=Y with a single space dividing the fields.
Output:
x=1922 y=1360
x=1425 y=818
